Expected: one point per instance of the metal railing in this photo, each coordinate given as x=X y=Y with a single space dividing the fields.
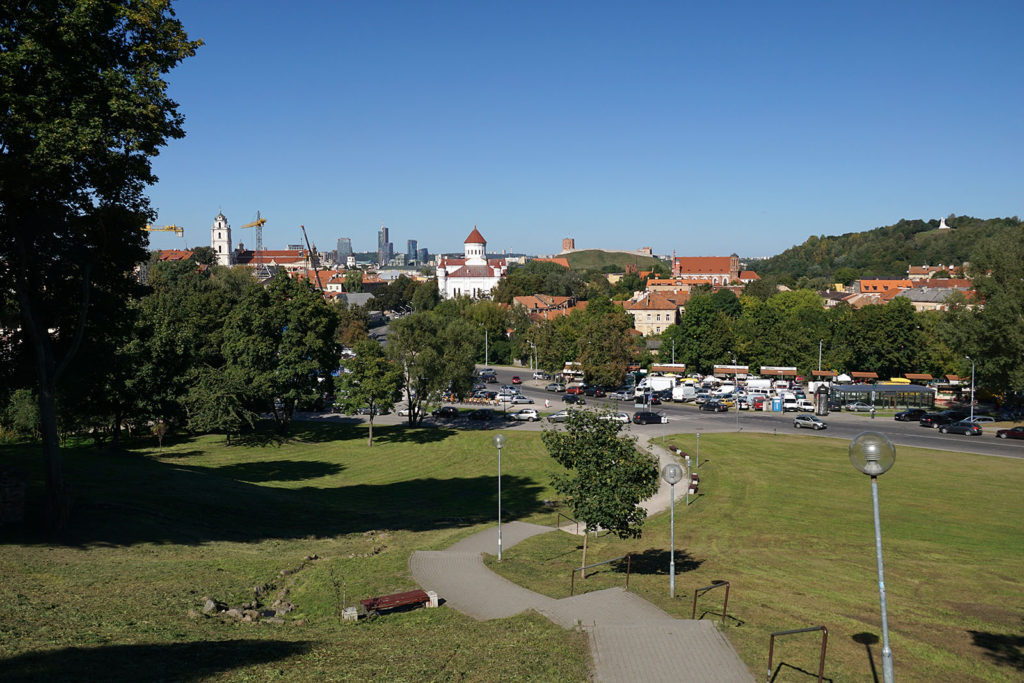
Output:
x=572 y=576
x=824 y=643
x=558 y=522
x=705 y=589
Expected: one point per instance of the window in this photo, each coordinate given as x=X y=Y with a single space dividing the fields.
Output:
x=648 y=317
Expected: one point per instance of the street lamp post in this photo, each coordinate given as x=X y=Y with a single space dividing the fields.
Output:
x=533 y=356
x=873 y=454
x=499 y=441
x=972 y=386
x=697 y=463
x=673 y=474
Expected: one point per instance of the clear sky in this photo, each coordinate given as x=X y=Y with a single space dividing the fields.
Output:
x=701 y=127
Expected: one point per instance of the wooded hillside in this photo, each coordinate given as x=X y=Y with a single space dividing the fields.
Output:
x=886 y=252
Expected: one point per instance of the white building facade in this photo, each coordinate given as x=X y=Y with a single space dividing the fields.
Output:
x=220 y=240
x=473 y=276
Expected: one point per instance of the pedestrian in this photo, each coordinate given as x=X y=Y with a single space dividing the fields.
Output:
x=872 y=412
x=547 y=403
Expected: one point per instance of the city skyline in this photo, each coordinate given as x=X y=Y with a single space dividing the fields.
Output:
x=710 y=129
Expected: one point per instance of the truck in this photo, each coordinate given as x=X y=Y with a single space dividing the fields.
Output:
x=654 y=383
x=684 y=392
x=761 y=387
x=724 y=390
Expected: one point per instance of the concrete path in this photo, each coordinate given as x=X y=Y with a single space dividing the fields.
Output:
x=630 y=639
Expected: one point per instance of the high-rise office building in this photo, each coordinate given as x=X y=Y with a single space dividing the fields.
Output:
x=423 y=255
x=344 y=249
x=410 y=250
x=383 y=246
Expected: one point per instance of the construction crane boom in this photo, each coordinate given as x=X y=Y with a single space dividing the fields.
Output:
x=261 y=270
x=312 y=261
x=176 y=229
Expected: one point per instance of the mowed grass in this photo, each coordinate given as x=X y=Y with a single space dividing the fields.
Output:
x=119 y=595
x=788 y=521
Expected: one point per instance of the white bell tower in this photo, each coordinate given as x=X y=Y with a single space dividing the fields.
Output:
x=220 y=240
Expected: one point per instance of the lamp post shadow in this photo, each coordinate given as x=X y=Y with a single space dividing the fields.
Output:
x=867 y=640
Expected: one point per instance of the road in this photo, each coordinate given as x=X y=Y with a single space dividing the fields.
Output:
x=684 y=417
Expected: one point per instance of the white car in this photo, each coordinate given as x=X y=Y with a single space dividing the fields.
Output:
x=522 y=399
x=404 y=412
x=619 y=395
x=616 y=417
x=980 y=419
x=525 y=415
x=540 y=374
x=808 y=422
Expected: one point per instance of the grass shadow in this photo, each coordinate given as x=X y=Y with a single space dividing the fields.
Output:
x=410 y=435
x=656 y=561
x=164 y=662
x=278 y=470
x=795 y=670
x=1003 y=649
x=867 y=640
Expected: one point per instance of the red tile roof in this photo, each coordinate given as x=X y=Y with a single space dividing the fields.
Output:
x=475 y=237
x=174 y=255
x=702 y=264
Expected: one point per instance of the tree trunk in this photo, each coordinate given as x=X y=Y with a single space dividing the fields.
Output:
x=583 y=572
x=59 y=506
x=370 y=441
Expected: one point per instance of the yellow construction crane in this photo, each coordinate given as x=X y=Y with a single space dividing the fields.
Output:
x=261 y=271
x=177 y=230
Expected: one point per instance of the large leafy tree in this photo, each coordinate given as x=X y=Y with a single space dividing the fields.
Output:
x=435 y=354
x=608 y=476
x=282 y=338
x=371 y=380
x=83 y=109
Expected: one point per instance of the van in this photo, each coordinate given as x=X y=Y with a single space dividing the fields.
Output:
x=789 y=403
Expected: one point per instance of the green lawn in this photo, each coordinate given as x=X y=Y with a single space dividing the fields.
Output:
x=787 y=520
x=119 y=594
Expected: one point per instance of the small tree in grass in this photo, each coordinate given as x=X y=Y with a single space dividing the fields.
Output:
x=608 y=475
x=372 y=380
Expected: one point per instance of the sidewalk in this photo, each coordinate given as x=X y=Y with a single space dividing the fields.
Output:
x=630 y=639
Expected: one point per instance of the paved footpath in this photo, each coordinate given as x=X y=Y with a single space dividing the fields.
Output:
x=630 y=639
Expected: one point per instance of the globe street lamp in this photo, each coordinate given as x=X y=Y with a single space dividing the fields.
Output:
x=673 y=474
x=972 y=386
x=499 y=441
x=873 y=454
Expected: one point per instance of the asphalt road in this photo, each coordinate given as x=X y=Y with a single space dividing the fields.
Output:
x=685 y=417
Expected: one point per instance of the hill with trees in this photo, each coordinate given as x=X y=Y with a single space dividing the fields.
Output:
x=885 y=252
x=610 y=261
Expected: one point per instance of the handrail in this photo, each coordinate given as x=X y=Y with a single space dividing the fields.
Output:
x=824 y=643
x=572 y=575
x=705 y=589
x=557 y=522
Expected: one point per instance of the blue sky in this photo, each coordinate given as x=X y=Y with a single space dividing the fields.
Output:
x=704 y=128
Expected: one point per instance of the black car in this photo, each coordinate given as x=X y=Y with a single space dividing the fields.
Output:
x=481 y=414
x=573 y=399
x=446 y=412
x=961 y=427
x=595 y=392
x=944 y=418
x=910 y=415
x=714 y=407
x=646 y=418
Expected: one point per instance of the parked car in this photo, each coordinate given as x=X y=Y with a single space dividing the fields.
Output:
x=808 y=421
x=446 y=413
x=805 y=405
x=714 y=407
x=540 y=374
x=490 y=379
x=646 y=417
x=910 y=415
x=595 y=392
x=620 y=395
x=525 y=415
x=560 y=416
x=365 y=410
x=555 y=386
x=701 y=398
x=404 y=412
x=481 y=414
x=576 y=390
x=573 y=399
x=962 y=427
x=857 y=407
x=981 y=419
x=1011 y=433
x=743 y=404
x=519 y=398
x=516 y=380
x=944 y=418
x=616 y=417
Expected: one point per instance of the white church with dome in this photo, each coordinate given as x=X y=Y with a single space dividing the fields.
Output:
x=473 y=276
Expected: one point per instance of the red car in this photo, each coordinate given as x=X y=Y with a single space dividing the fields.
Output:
x=577 y=390
x=516 y=380
x=1011 y=433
